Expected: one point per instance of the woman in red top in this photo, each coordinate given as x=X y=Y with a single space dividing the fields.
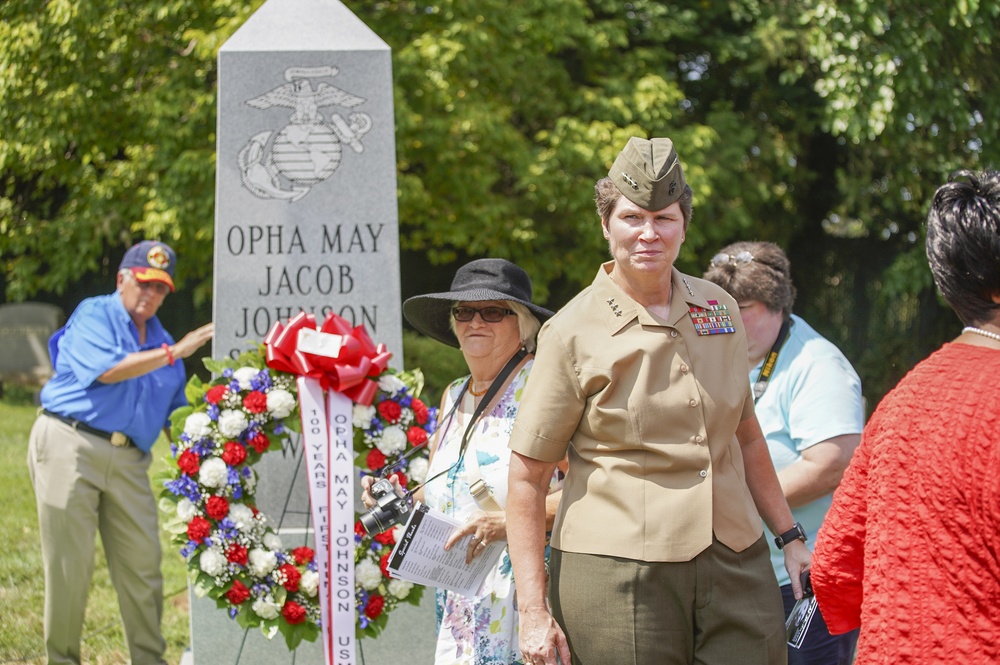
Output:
x=910 y=550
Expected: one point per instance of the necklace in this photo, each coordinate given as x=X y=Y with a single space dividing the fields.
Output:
x=978 y=331
x=482 y=392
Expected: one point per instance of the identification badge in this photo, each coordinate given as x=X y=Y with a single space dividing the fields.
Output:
x=713 y=320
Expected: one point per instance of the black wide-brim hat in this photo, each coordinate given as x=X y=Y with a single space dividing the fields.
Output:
x=476 y=281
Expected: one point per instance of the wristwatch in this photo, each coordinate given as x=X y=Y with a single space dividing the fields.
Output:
x=795 y=533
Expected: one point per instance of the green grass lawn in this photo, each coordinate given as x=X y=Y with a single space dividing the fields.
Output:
x=21 y=582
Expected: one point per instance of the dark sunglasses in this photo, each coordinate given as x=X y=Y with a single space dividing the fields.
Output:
x=487 y=314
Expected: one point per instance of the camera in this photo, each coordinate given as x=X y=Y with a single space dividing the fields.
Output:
x=389 y=509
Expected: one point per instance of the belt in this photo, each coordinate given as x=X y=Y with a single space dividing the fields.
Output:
x=117 y=439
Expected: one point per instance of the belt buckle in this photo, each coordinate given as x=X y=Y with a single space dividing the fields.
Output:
x=478 y=488
x=118 y=440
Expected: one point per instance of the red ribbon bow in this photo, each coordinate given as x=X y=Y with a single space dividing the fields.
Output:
x=350 y=371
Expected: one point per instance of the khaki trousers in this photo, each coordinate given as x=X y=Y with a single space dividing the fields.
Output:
x=721 y=608
x=83 y=485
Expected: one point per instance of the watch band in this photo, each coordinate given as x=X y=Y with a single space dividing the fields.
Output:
x=795 y=533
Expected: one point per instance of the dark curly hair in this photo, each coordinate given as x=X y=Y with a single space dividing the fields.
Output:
x=963 y=243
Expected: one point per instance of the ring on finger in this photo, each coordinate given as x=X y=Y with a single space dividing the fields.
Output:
x=481 y=543
x=474 y=538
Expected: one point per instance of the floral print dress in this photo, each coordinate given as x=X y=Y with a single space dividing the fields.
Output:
x=481 y=630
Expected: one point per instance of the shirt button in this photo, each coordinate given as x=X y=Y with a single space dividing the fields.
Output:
x=699 y=438
x=703 y=473
x=684 y=369
x=693 y=403
x=673 y=333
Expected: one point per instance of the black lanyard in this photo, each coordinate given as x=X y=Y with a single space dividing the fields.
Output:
x=767 y=369
x=498 y=382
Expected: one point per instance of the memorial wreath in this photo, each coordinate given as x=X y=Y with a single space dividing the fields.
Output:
x=233 y=553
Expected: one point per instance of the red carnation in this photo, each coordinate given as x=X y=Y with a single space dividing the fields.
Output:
x=237 y=554
x=260 y=442
x=238 y=593
x=375 y=459
x=293 y=612
x=385 y=538
x=359 y=529
x=255 y=402
x=374 y=607
x=390 y=411
x=420 y=412
x=403 y=480
x=383 y=564
x=216 y=507
x=416 y=436
x=233 y=453
x=188 y=463
x=303 y=555
x=198 y=528
x=215 y=394
x=292 y=577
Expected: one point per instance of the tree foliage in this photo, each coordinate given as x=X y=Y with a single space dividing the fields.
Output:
x=824 y=125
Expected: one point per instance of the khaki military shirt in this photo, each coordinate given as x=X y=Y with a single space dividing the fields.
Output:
x=648 y=411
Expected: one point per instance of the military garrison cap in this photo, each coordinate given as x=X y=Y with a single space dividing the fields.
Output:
x=648 y=173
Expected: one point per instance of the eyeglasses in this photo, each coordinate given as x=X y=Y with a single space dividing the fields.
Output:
x=159 y=288
x=487 y=314
x=739 y=259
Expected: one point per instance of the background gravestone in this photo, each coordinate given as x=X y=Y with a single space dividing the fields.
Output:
x=25 y=329
x=306 y=220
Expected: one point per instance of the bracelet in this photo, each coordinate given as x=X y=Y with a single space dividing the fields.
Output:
x=170 y=356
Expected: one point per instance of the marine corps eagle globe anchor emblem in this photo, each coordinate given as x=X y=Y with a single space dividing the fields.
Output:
x=307 y=150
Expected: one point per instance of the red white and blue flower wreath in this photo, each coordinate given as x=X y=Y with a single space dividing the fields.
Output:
x=233 y=555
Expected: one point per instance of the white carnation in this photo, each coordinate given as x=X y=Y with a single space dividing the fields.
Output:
x=280 y=403
x=397 y=532
x=232 y=423
x=186 y=509
x=213 y=472
x=309 y=584
x=400 y=588
x=198 y=425
x=368 y=574
x=361 y=416
x=241 y=516
x=392 y=440
x=266 y=608
x=418 y=469
x=261 y=562
x=245 y=375
x=391 y=384
x=272 y=541
x=212 y=563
